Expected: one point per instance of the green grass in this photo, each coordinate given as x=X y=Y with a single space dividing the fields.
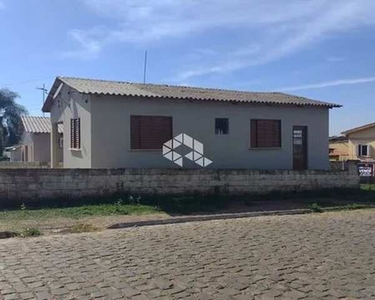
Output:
x=30 y=232
x=78 y=212
x=368 y=187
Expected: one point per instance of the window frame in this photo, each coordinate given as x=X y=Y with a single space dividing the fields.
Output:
x=360 y=150
x=254 y=146
x=226 y=122
x=75 y=134
x=148 y=149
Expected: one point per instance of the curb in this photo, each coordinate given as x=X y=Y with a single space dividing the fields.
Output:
x=202 y=218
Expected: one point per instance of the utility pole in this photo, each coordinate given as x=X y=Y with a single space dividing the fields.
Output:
x=145 y=68
x=44 y=92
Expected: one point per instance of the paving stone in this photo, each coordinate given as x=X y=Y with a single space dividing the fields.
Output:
x=318 y=256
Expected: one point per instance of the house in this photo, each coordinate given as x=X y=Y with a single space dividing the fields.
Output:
x=338 y=148
x=111 y=124
x=361 y=143
x=35 y=142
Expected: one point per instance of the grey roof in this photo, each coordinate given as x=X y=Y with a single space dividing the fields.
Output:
x=363 y=127
x=119 y=88
x=35 y=124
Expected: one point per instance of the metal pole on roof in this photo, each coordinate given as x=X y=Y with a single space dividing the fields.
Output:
x=44 y=92
x=145 y=68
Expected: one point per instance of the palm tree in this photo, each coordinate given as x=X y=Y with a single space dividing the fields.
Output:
x=10 y=119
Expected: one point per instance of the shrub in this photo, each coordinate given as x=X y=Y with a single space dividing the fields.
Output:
x=134 y=200
x=315 y=207
x=30 y=232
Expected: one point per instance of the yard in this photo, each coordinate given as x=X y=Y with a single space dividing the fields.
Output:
x=96 y=216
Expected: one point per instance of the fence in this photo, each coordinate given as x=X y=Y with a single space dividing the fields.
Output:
x=31 y=184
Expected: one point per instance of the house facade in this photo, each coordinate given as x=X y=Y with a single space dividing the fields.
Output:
x=117 y=125
x=35 y=145
x=361 y=143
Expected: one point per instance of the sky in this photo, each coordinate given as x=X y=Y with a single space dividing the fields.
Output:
x=320 y=49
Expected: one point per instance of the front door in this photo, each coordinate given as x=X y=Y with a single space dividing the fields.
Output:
x=299 y=147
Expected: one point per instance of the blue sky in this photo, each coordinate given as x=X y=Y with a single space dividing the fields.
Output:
x=321 y=49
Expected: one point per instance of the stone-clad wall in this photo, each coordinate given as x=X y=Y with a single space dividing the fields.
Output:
x=28 y=184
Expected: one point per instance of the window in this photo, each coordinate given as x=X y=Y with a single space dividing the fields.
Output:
x=75 y=133
x=221 y=126
x=265 y=133
x=363 y=150
x=61 y=142
x=149 y=132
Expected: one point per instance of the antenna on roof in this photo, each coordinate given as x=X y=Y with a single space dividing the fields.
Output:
x=44 y=91
x=145 y=68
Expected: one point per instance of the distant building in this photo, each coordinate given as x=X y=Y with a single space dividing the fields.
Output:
x=35 y=142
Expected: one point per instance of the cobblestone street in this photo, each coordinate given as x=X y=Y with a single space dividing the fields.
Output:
x=318 y=256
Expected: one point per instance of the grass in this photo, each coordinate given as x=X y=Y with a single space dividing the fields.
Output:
x=78 y=212
x=30 y=232
x=91 y=214
x=368 y=187
x=315 y=207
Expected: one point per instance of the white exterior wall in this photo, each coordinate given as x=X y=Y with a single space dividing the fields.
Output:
x=110 y=127
x=74 y=105
x=42 y=149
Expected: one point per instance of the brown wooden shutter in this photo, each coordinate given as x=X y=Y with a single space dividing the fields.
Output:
x=253 y=131
x=267 y=133
x=150 y=132
x=75 y=133
x=72 y=123
x=78 y=133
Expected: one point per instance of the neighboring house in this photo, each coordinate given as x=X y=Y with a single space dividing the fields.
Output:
x=338 y=148
x=110 y=124
x=361 y=143
x=35 y=143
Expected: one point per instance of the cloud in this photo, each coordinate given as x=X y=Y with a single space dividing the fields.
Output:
x=2 y=5
x=89 y=47
x=329 y=84
x=265 y=31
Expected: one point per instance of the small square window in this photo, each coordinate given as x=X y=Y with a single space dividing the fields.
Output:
x=221 y=126
x=363 y=150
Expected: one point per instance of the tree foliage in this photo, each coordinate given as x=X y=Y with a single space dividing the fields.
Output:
x=10 y=119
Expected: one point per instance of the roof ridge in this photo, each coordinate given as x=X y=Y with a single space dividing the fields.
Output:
x=172 y=85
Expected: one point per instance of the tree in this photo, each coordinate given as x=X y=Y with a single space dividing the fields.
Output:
x=10 y=119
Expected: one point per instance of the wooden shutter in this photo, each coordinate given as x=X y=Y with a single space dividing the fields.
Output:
x=253 y=130
x=75 y=133
x=150 y=132
x=78 y=133
x=265 y=133
x=72 y=133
